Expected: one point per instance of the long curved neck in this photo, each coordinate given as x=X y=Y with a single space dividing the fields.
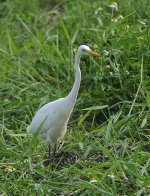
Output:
x=75 y=89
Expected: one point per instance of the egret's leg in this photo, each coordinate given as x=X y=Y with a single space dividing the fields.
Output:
x=49 y=151
x=48 y=159
x=54 y=152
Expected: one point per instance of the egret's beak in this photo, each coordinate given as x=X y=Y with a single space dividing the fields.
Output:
x=92 y=53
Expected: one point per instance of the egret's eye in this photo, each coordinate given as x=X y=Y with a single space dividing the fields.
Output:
x=83 y=50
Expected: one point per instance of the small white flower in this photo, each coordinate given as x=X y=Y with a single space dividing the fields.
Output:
x=114 y=20
x=111 y=176
x=106 y=53
x=26 y=161
x=9 y=168
x=114 y=5
x=93 y=181
x=142 y=22
x=120 y=17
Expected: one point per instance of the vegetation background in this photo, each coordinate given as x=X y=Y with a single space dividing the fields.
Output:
x=38 y=42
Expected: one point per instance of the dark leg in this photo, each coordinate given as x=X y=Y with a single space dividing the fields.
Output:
x=49 y=151
x=48 y=159
x=54 y=152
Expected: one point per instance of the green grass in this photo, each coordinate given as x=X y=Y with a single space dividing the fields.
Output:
x=38 y=41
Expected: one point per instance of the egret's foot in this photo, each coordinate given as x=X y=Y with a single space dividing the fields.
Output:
x=65 y=158
x=70 y=157
x=60 y=160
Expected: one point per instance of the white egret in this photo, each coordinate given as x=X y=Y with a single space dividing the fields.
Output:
x=56 y=114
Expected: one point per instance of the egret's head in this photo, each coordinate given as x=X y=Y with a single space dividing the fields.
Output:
x=85 y=50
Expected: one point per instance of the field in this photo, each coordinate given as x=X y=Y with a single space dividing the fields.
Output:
x=106 y=150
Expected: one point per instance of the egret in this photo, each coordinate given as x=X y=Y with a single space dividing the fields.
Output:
x=56 y=114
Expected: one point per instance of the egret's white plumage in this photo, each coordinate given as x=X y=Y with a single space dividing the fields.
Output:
x=56 y=114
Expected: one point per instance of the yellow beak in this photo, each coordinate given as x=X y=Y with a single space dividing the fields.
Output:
x=92 y=53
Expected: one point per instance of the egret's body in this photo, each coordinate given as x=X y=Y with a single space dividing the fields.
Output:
x=56 y=114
